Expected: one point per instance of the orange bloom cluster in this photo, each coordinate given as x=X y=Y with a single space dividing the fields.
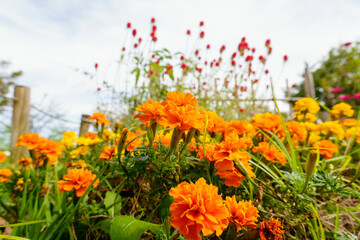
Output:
x=78 y=179
x=107 y=153
x=271 y=153
x=99 y=118
x=197 y=207
x=25 y=162
x=326 y=148
x=271 y=230
x=5 y=173
x=42 y=147
x=296 y=130
x=2 y=157
x=136 y=143
x=224 y=156
x=268 y=122
x=242 y=214
x=149 y=111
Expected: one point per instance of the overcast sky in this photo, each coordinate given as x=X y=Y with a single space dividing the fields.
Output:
x=50 y=40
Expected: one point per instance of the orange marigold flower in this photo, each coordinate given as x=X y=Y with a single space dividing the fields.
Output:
x=107 y=153
x=183 y=118
x=209 y=152
x=30 y=140
x=242 y=128
x=180 y=99
x=296 y=130
x=215 y=123
x=271 y=230
x=270 y=152
x=5 y=173
x=326 y=148
x=232 y=176
x=25 y=162
x=2 y=157
x=78 y=179
x=197 y=207
x=349 y=122
x=149 y=111
x=51 y=149
x=80 y=163
x=268 y=122
x=242 y=214
x=134 y=144
x=99 y=118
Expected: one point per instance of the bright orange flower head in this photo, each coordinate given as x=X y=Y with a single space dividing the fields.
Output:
x=326 y=148
x=197 y=207
x=25 y=162
x=271 y=230
x=78 y=179
x=5 y=173
x=306 y=104
x=134 y=144
x=80 y=163
x=183 y=118
x=107 y=153
x=181 y=99
x=242 y=128
x=268 y=122
x=51 y=149
x=100 y=118
x=2 y=157
x=296 y=130
x=149 y=111
x=242 y=214
x=31 y=140
x=271 y=153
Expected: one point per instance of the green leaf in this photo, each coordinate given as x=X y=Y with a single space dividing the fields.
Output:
x=12 y=237
x=110 y=199
x=164 y=210
x=129 y=228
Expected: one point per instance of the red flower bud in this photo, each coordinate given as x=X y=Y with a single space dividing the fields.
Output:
x=233 y=63
x=267 y=43
x=152 y=20
x=169 y=67
x=123 y=49
x=99 y=89
x=347 y=44
x=134 y=32
x=233 y=55
x=201 y=23
x=154 y=39
x=294 y=86
x=270 y=50
x=196 y=52
x=182 y=58
x=222 y=48
x=285 y=58
x=217 y=64
x=206 y=63
x=128 y=25
x=188 y=32
x=140 y=40
x=266 y=71
x=208 y=46
x=151 y=72
x=202 y=34
x=154 y=28
x=96 y=65
x=135 y=45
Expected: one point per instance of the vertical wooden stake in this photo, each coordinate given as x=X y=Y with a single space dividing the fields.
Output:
x=85 y=124
x=288 y=95
x=20 y=120
x=309 y=86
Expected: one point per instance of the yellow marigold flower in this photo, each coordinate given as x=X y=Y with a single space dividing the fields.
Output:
x=340 y=110
x=326 y=148
x=68 y=138
x=107 y=153
x=2 y=157
x=242 y=214
x=5 y=174
x=99 y=118
x=306 y=117
x=108 y=134
x=180 y=99
x=349 y=122
x=20 y=184
x=80 y=163
x=89 y=139
x=351 y=131
x=307 y=105
x=331 y=128
x=25 y=162
x=271 y=230
x=215 y=123
x=78 y=179
x=79 y=151
x=197 y=207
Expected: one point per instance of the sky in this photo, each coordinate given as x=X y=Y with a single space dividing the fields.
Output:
x=53 y=42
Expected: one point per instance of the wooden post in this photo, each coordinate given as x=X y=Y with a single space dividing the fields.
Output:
x=288 y=95
x=20 y=120
x=309 y=83
x=85 y=124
